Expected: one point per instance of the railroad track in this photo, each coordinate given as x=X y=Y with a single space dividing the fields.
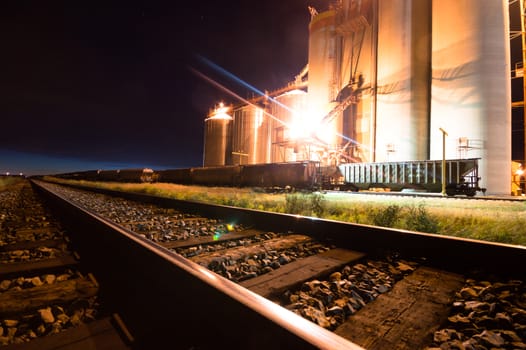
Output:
x=47 y=297
x=345 y=286
x=418 y=194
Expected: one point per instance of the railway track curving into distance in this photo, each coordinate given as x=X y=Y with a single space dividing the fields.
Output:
x=204 y=276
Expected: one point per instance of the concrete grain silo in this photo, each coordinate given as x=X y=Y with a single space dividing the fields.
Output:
x=403 y=75
x=324 y=75
x=342 y=67
x=380 y=51
x=471 y=93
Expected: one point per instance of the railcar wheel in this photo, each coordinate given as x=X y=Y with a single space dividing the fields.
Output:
x=451 y=189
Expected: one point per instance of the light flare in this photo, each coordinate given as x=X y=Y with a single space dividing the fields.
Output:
x=301 y=128
x=230 y=92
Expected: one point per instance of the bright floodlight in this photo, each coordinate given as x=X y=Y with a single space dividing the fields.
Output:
x=220 y=112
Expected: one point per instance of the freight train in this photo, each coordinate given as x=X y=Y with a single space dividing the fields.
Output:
x=293 y=175
x=461 y=176
x=124 y=175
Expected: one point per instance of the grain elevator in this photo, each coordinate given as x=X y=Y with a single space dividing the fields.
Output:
x=383 y=78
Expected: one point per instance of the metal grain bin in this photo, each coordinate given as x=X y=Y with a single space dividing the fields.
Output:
x=218 y=137
x=251 y=136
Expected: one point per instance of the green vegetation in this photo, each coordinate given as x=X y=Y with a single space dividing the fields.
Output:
x=304 y=204
x=495 y=221
x=385 y=216
x=418 y=219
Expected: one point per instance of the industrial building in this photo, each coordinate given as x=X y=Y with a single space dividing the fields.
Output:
x=397 y=80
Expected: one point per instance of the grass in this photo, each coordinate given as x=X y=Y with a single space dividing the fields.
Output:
x=495 y=221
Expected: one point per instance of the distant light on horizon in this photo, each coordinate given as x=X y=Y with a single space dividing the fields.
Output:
x=30 y=164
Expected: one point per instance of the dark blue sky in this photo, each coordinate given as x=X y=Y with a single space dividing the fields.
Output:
x=102 y=84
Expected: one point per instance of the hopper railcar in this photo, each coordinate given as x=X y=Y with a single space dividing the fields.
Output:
x=300 y=175
x=303 y=175
x=118 y=175
x=128 y=175
x=88 y=175
x=462 y=176
x=290 y=175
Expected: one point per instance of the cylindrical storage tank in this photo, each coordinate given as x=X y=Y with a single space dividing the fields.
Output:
x=356 y=26
x=324 y=74
x=250 y=135
x=471 y=93
x=289 y=126
x=218 y=137
x=403 y=80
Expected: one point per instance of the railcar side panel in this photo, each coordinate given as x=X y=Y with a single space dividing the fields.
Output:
x=296 y=175
x=179 y=176
x=423 y=175
x=215 y=176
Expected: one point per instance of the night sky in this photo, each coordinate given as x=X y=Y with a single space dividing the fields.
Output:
x=102 y=84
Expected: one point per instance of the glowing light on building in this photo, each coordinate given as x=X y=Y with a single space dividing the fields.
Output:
x=220 y=112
